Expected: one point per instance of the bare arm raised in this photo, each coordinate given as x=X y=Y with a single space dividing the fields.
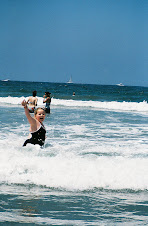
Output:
x=37 y=128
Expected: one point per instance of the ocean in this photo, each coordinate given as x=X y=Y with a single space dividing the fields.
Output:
x=93 y=169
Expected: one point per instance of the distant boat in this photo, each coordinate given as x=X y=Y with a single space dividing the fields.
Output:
x=120 y=84
x=5 y=80
x=70 y=80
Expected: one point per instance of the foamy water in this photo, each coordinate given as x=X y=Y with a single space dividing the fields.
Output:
x=104 y=105
x=103 y=150
x=93 y=169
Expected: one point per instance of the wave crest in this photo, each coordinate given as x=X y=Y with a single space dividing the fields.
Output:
x=98 y=105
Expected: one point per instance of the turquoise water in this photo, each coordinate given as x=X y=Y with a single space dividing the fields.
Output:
x=93 y=169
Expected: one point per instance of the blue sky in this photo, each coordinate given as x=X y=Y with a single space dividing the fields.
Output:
x=95 y=41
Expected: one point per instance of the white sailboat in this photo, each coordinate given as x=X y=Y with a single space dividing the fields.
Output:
x=70 y=80
x=120 y=84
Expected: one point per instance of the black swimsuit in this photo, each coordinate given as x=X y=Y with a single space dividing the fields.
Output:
x=38 y=137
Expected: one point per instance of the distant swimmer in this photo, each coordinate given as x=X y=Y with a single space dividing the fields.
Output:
x=32 y=102
x=73 y=93
x=47 y=100
x=37 y=129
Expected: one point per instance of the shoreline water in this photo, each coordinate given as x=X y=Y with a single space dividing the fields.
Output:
x=94 y=166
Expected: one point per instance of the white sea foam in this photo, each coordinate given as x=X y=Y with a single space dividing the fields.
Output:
x=80 y=164
x=70 y=171
x=104 y=150
x=101 y=105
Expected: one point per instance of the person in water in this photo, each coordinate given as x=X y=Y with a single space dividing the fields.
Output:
x=37 y=128
x=47 y=100
x=32 y=102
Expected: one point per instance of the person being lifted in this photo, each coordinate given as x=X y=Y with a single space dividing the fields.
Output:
x=32 y=102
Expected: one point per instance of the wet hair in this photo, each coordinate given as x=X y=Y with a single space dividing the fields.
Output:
x=34 y=93
x=36 y=110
